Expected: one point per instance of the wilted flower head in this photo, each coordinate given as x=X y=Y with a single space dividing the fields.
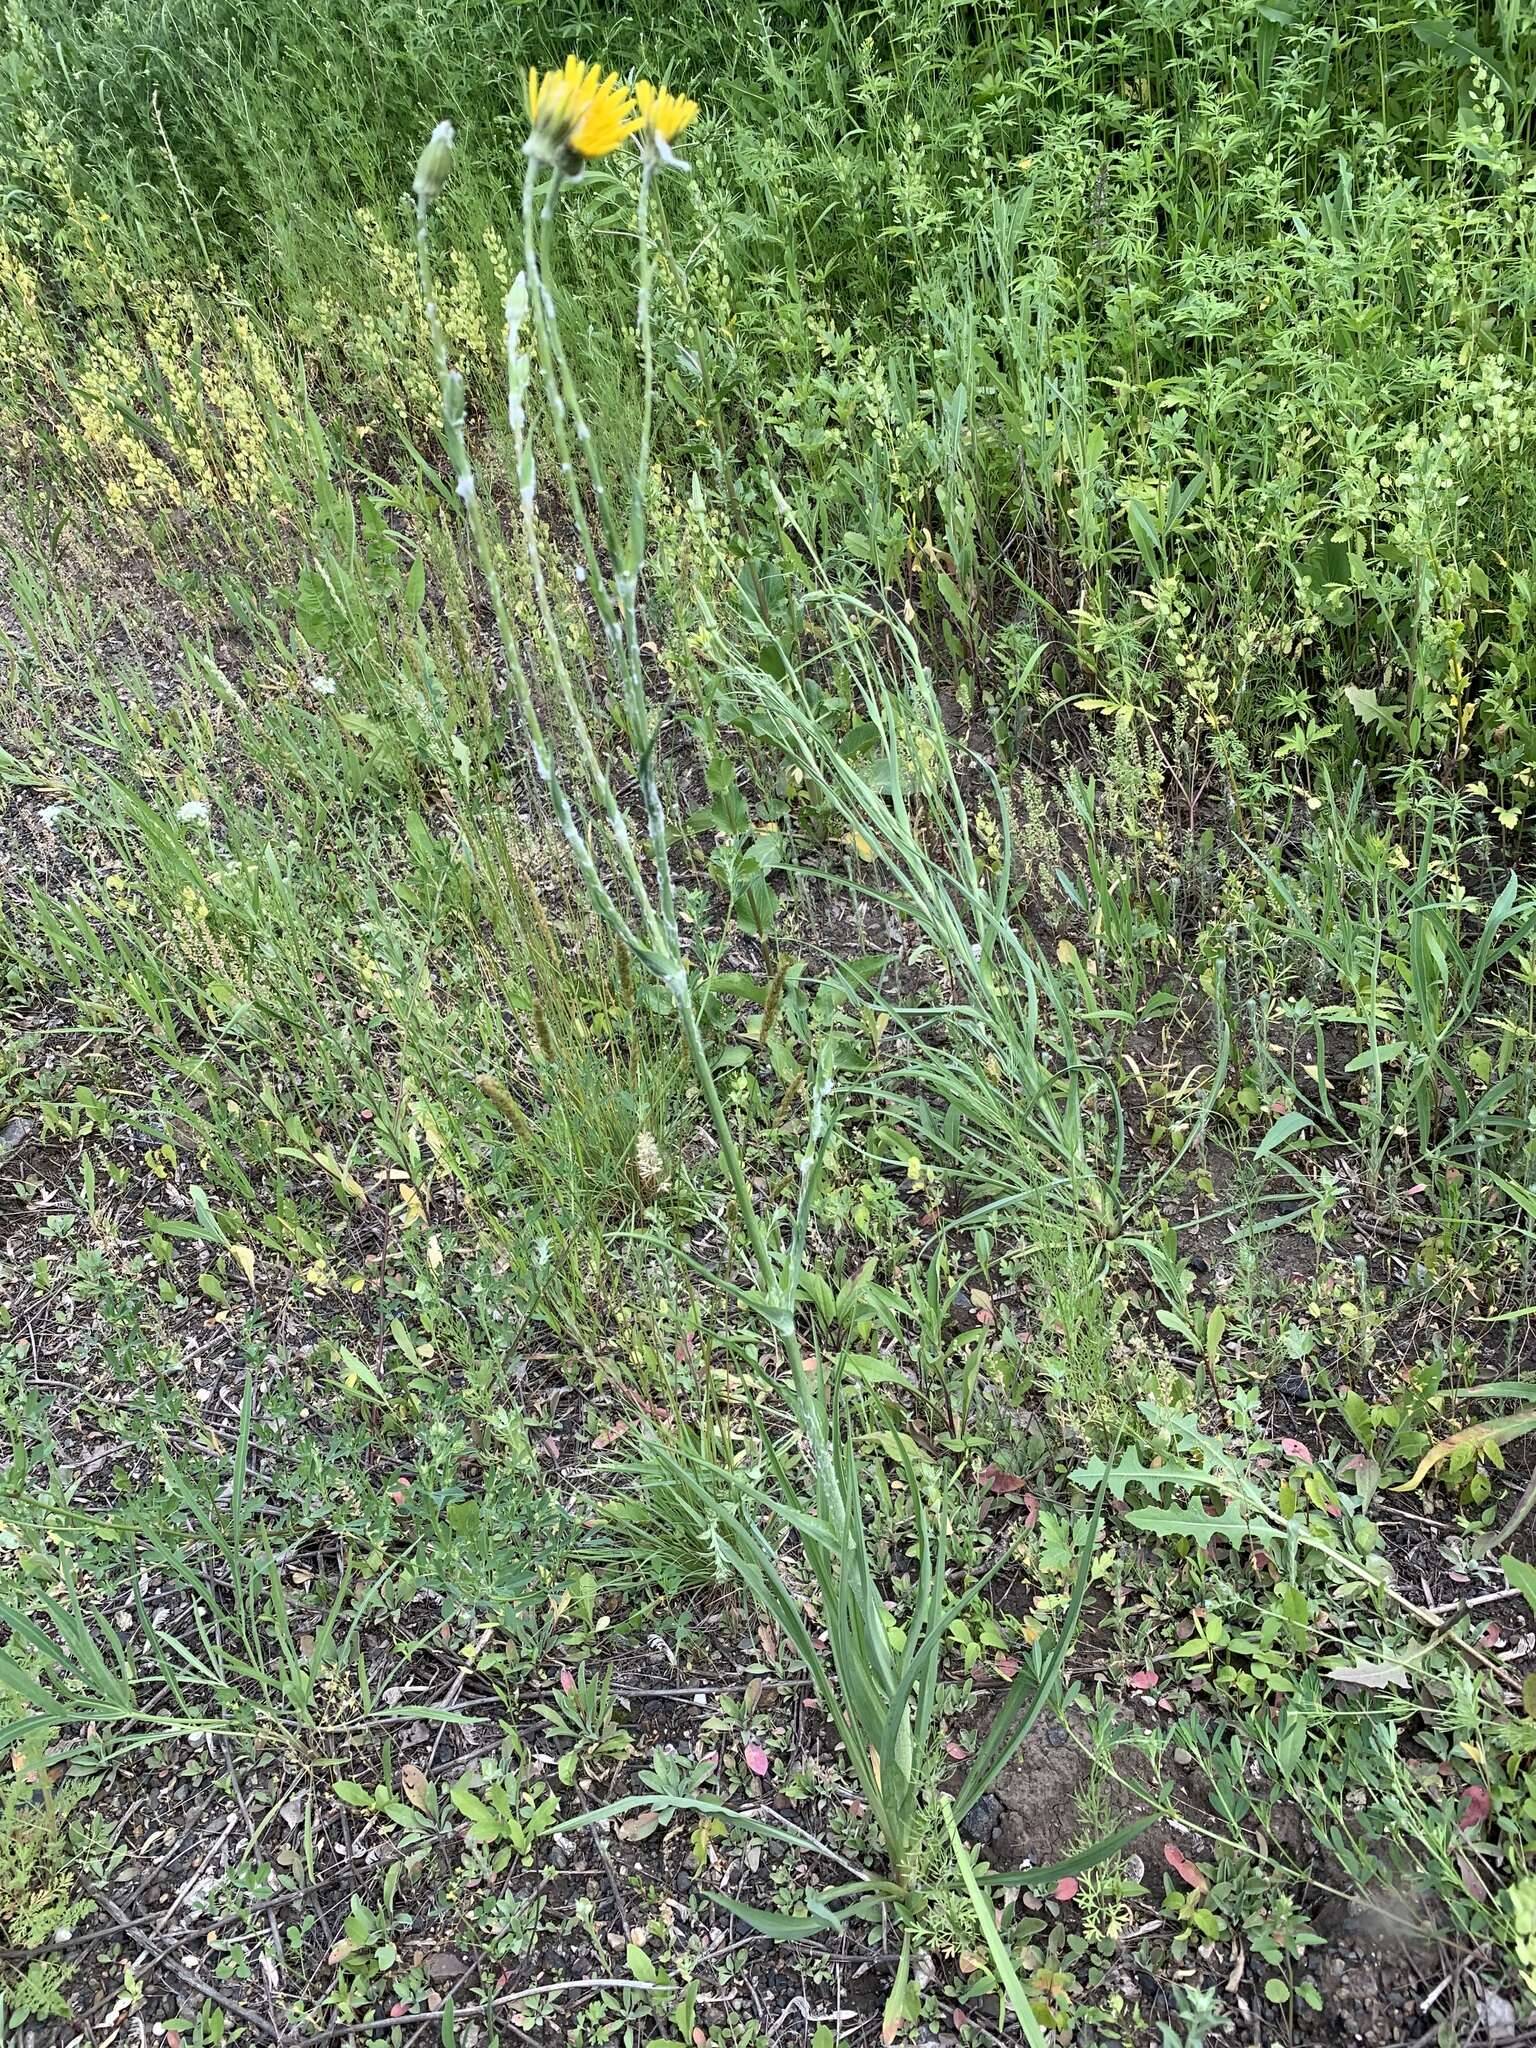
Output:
x=663 y=117
x=577 y=114
x=650 y=1171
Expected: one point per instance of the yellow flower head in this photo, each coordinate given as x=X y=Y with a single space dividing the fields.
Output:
x=663 y=117
x=578 y=114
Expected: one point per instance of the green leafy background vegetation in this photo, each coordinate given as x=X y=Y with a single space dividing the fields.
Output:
x=1085 y=619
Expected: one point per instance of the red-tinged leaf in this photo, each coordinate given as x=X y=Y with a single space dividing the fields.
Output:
x=757 y=1759
x=992 y=1479
x=567 y=1681
x=1066 y=1888
x=1475 y=1808
x=1007 y=1668
x=957 y=1750
x=399 y=2009
x=1180 y=1864
x=1293 y=1447
x=1031 y=1512
x=1142 y=1681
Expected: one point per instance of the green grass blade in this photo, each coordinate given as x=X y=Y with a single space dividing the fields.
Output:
x=1002 y=1962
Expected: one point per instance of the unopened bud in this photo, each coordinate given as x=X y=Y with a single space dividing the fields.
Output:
x=436 y=162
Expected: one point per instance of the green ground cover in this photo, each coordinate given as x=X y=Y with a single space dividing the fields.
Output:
x=768 y=980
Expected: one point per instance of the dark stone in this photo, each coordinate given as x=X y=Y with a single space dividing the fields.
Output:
x=15 y=1136
x=1154 y=1994
x=1291 y=1385
x=977 y=1824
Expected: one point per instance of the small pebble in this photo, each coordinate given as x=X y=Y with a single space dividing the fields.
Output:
x=1498 y=2016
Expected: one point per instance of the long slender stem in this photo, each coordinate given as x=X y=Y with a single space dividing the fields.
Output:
x=564 y=408
x=563 y=401
x=629 y=574
x=641 y=481
x=664 y=940
x=617 y=606
x=687 y=1016
x=452 y=387
x=656 y=942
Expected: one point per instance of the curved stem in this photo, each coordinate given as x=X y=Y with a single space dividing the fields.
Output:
x=451 y=385
x=663 y=939
x=629 y=574
x=563 y=401
x=656 y=944
x=616 y=605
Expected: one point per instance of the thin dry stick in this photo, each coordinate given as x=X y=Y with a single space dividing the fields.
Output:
x=211 y=1992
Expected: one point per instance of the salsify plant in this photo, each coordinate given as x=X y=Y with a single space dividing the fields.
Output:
x=876 y=1677
x=579 y=114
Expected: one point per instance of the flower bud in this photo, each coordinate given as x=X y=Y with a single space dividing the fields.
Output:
x=435 y=163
